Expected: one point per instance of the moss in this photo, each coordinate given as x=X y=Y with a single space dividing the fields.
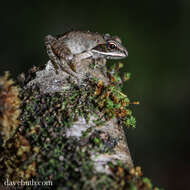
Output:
x=130 y=179
x=92 y=65
x=102 y=142
x=40 y=150
x=9 y=108
x=130 y=121
x=113 y=103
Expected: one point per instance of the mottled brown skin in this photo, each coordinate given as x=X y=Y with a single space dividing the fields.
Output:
x=77 y=45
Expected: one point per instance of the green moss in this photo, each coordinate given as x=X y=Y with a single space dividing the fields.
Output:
x=97 y=141
x=147 y=182
x=40 y=149
x=130 y=121
x=132 y=186
x=92 y=65
x=126 y=76
x=114 y=103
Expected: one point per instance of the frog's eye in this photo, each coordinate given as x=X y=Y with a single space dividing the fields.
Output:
x=112 y=46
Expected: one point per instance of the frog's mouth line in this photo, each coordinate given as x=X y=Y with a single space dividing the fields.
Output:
x=111 y=55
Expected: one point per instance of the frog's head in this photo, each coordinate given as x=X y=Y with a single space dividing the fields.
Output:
x=111 y=49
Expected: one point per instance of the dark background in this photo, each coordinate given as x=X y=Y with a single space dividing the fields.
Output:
x=156 y=34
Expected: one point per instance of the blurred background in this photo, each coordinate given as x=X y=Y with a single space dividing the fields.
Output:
x=156 y=34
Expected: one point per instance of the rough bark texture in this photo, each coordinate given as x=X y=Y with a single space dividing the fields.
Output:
x=70 y=131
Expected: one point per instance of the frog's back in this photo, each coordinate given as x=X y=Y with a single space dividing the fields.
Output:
x=80 y=41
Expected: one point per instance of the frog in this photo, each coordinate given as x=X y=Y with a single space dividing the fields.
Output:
x=67 y=50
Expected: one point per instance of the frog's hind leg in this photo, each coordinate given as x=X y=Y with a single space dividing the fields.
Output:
x=54 y=59
x=60 y=56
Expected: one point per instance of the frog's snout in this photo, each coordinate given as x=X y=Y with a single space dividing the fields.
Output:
x=126 y=53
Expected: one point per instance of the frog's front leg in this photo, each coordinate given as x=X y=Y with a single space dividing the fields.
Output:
x=73 y=61
x=81 y=56
x=78 y=58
